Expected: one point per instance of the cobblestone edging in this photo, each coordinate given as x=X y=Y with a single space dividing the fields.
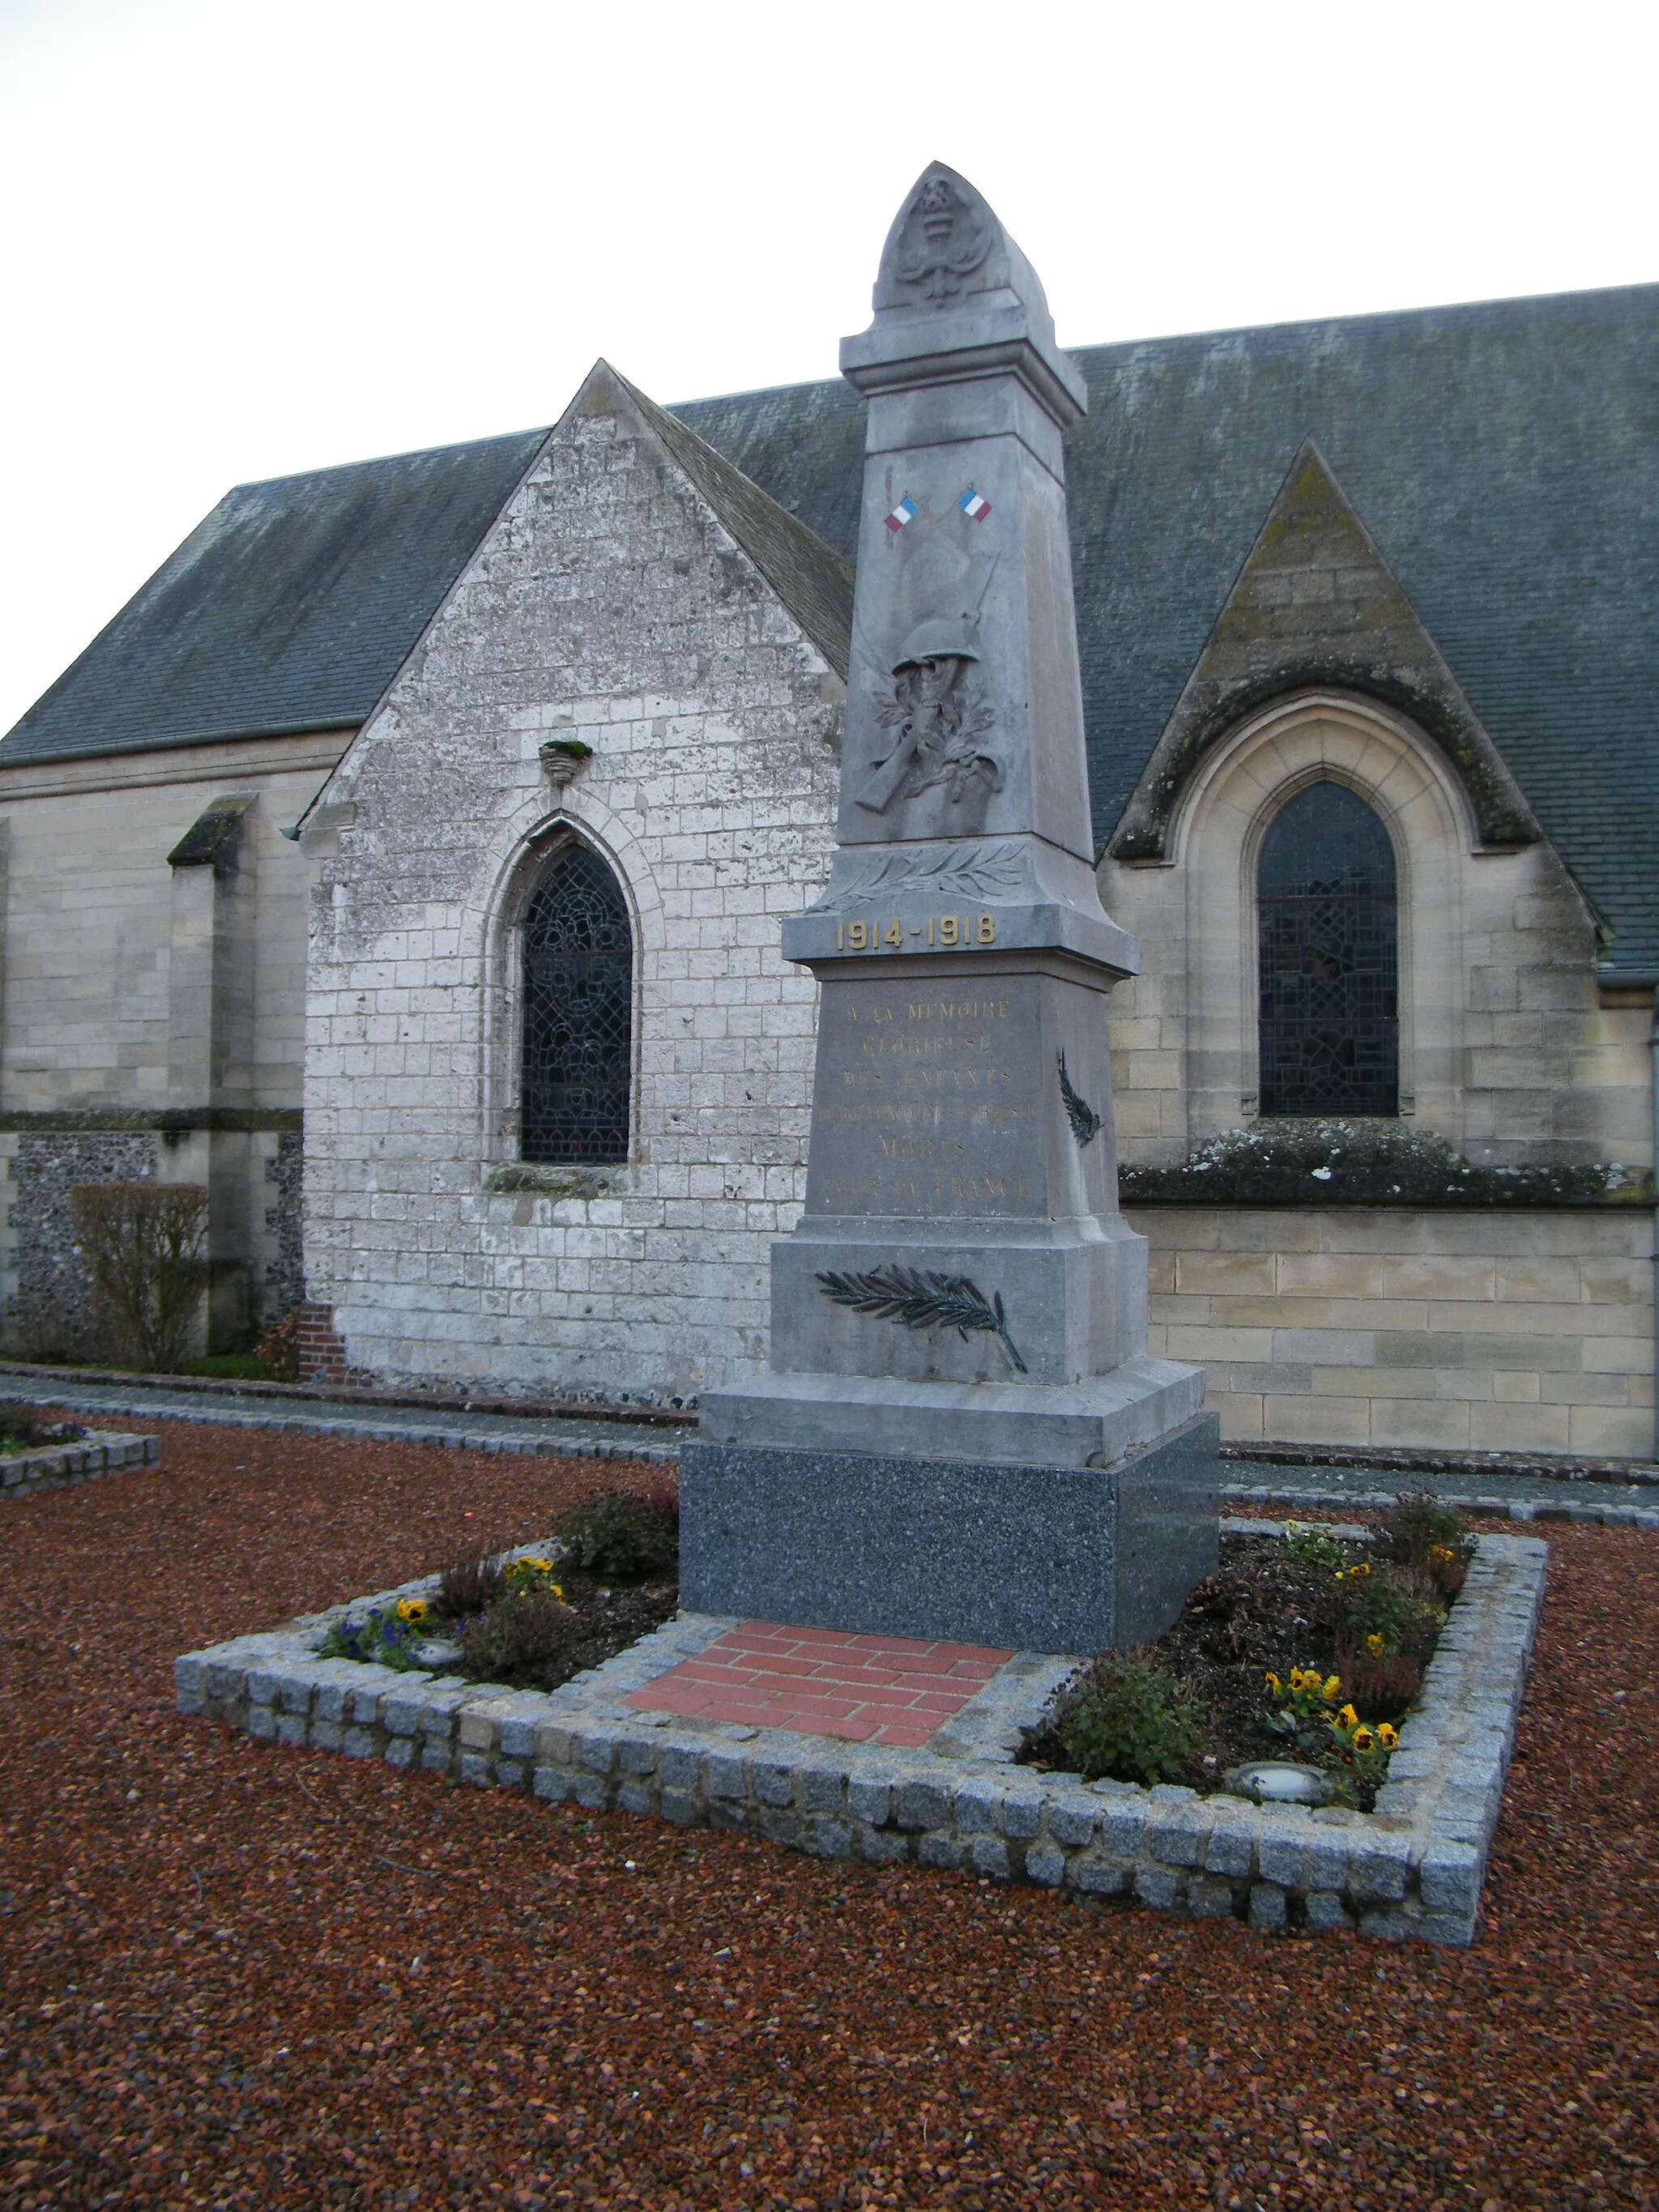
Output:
x=100 y=1452
x=1582 y=1513
x=1414 y=1867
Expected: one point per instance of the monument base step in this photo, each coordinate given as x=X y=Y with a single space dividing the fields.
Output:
x=1093 y=1423
x=1033 y=1558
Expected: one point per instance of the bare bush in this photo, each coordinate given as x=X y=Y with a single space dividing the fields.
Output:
x=279 y=1348
x=143 y=1246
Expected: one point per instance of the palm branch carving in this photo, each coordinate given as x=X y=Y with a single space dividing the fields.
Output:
x=923 y=1301
x=1085 y=1122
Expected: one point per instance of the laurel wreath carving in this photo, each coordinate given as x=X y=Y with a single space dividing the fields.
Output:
x=1085 y=1122
x=924 y=1301
x=945 y=873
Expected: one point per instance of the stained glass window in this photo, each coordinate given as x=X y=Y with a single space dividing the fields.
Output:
x=578 y=1013
x=1329 y=961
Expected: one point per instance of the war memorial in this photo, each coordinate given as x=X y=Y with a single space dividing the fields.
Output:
x=963 y=1478
x=962 y=1435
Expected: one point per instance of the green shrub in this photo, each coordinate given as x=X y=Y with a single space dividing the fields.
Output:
x=1126 y=1718
x=519 y=1635
x=1386 y=1603
x=622 y=1534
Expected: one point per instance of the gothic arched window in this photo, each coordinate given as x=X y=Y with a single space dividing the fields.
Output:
x=1329 y=940
x=578 y=1013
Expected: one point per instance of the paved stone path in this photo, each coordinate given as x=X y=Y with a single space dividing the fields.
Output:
x=1523 y=1497
x=572 y=1439
x=886 y=1690
x=1245 y=1482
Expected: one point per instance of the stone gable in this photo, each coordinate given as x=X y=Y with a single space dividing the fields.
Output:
x=608 y=605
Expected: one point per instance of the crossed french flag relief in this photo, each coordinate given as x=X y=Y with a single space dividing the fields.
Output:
x=974 y=505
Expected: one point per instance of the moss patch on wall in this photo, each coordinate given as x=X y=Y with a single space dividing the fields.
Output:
x=1315 y=1163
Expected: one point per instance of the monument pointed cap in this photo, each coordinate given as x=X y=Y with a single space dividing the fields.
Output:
x=954 y=298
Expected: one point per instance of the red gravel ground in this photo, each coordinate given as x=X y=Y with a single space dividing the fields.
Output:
x=889 y=1690
x=231 y=1976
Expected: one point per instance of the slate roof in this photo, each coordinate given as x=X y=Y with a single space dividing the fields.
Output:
x=289 y=608
x=1504 y=456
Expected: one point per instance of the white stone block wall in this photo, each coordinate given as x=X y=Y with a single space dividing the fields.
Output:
x=608 y=605
x=1528 y=1331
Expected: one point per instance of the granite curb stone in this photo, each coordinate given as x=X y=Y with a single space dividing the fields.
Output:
x=55 y=1467
x=1414 y=1867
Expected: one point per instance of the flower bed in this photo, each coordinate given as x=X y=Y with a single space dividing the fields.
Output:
x=1309 y=1649
x=530 y=1619
x=47 y=1454
x=1413 y=1867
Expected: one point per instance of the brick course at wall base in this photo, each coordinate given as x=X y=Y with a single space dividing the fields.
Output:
x=322 y=1353
x=1527 y=1331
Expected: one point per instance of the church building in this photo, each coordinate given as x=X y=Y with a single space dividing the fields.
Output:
x=407 y=862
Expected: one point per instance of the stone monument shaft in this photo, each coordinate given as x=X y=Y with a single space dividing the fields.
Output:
x=962 y=1299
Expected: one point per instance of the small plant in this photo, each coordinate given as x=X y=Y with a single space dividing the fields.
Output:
x=1303 y=1706
x=471 y=1586
x=523 y=1578
x=1312 y=1547
x=622 y=1534
x=1126 y=1718
x=1384 y=1622
x=1364 y=1602
x=279 y=1348
x=382 y=1637
x=1423 y=1532
x=143 y=1244
x=1362 y=1754
x=521 y=1635
x=18 y=1435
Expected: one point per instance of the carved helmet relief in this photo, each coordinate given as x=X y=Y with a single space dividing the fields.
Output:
x=936 y=712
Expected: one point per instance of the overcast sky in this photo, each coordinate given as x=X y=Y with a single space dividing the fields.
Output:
x=244 y=238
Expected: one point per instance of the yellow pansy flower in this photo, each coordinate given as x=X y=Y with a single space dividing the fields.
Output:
x=1347 y=1717
x=1386 y=1737
x=1374 y=1645
x=1332 y=1689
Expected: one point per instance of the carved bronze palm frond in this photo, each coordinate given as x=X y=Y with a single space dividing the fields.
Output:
x=923 y=1301
x=1085 y=1122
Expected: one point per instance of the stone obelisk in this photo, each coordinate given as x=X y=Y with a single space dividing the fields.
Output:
x=962 y=1435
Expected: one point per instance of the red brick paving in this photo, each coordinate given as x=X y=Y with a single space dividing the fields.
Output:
x=823 y=1681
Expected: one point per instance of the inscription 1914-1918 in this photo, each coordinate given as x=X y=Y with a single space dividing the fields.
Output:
x=953 y=933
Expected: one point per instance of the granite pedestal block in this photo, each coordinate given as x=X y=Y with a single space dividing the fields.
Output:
x=1040 y=1559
